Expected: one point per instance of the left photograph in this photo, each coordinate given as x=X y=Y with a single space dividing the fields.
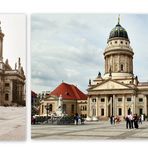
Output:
x=12 y=77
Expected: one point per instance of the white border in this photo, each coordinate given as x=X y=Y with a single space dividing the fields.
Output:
x=67 y=6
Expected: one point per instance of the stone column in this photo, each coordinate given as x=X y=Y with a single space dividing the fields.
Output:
x=123 y=106
x=10 y=94
x=1 y=48
x=111 y=63
x=106 y=107
x=88 y=106
x=105 y=65
x=134 y=104
x=114 y=106
x=97 y=108
x=112 y=102
x=145 y=105
x=118 y=63
x=132 y=65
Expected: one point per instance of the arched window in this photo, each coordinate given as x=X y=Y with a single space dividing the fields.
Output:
x=72 y=108
x=102 y=111
x=121 y=67
x=129 y=111
x=50 y=106
x=6 y=97
x=64 y=108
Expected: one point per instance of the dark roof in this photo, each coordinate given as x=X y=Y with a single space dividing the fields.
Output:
x=68 y=91
x=33 y=94
x=118 y=31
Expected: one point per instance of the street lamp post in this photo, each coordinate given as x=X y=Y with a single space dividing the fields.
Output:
x=47 y=107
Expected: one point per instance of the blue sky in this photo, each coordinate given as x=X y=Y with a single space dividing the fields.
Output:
x=70 y=47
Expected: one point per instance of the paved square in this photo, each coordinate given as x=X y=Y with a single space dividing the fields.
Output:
x=90 y=130
x=12 y=123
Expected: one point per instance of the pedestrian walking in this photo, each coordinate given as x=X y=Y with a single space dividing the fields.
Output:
x=111 y=120
x=128 y=121
x=136 y=121
x=76 y=118
x=140 y=120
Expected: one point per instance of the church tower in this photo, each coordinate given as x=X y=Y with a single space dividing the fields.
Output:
x=118 y=54
x=1 y=50
x=118 y=92
x=1 y=44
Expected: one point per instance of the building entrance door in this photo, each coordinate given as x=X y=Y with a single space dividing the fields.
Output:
x=129 y=111
x=109 y=113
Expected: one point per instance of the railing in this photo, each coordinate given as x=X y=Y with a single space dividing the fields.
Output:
x=65 y=120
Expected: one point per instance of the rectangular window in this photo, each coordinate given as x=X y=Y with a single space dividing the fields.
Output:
x=102 y=100
x=42 y=109
x=50 y=107
x=120 y=111
x=102 y=111
x=72 y=108
x=64 y=108
x=140 y=111
x=85 y=107
x=93 y=100
x=7 y=85
x=6 y=97
x=119 y=99
x=81 y=108
x=140 y=99
x=128 y=99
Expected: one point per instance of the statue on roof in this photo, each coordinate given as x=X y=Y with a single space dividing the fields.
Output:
x=110 y=72
x=15 y=66
x=119 y=19
x=99 y=74
x=89 y=81
x=6 y=61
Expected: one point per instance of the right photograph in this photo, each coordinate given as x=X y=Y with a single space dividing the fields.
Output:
x=89 y=76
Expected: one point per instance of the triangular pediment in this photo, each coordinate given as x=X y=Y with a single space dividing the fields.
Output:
x=51 y=98
x=110 y=85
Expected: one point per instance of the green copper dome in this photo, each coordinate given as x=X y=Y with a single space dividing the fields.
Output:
x=118 y=31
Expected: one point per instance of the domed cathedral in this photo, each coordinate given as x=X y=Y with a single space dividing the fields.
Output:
x=12 y=81
x=118 y=92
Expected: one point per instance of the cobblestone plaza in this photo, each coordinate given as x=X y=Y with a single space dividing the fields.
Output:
x=101 y=130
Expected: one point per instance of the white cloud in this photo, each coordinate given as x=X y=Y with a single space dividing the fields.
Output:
x=14 y=43
x=70 y=47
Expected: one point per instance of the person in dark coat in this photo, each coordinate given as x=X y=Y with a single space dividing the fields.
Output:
x=136 y=121
x=128 y=121
x=111 y=119
x=76 y=118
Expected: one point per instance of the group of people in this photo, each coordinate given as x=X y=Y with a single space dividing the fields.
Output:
x=132 y=121
x=114 y=120
x=78 y=119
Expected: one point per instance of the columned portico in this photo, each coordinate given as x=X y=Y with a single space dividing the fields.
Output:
x=97 y=106
x=134 y=103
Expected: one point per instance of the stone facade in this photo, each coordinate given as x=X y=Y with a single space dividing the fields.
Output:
x=12 y=81
x=118 y=92
x=70 y=107
x=73 y=101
